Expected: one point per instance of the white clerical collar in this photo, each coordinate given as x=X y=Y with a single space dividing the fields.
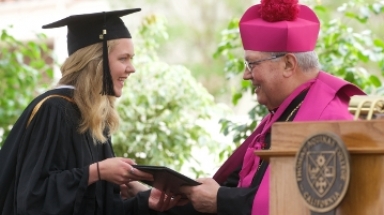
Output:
x=65 y=86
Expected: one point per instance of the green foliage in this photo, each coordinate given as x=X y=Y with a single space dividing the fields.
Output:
x=345 y=52
x=354 y=55
x=22 y=67
x=163 y=107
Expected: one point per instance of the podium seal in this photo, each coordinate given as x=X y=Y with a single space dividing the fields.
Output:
x=322 y=172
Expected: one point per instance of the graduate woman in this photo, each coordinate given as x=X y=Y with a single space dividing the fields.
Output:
x=58 y=158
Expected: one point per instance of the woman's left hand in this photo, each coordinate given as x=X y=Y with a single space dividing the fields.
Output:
x=130 y=189
x=160 y=201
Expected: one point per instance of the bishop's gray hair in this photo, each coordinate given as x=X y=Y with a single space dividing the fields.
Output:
x=306 y=60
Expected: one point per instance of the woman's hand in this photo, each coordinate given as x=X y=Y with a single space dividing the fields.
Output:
x=117 y=170
x=131 y=189
x=160 y=201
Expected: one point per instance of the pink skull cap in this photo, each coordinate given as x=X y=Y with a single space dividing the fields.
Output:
x=298 y=35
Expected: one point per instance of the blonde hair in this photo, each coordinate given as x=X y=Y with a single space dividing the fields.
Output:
x=84 y=70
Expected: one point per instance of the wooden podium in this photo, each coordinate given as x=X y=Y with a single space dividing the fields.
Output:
x=365 y=143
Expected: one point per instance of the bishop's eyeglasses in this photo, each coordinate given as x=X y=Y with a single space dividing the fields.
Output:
x=251 y=65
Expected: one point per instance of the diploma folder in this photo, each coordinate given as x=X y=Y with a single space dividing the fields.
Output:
x=166 y=179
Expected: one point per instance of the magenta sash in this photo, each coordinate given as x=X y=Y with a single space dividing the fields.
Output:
x=249 y=169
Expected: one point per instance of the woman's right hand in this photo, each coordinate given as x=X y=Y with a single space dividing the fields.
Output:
x=118 y=170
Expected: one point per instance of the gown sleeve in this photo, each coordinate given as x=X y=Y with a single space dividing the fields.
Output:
x=137 y=204
x=50 y=181
x=234 y=200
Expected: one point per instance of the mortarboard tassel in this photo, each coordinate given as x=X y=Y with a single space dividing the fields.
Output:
x=107 y=79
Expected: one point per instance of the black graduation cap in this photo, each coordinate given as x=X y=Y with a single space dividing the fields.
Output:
x=88 y=29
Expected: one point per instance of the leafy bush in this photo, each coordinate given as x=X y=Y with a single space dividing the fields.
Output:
x=22 y=69
x=163 y=108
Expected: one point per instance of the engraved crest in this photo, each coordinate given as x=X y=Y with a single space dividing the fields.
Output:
x=322 y=171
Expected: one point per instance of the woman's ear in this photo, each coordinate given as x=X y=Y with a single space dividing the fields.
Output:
x=290 y=66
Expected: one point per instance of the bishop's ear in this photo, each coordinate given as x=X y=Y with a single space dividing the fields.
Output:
x=290 y=66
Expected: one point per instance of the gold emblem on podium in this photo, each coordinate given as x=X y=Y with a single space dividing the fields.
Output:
x=322 y=172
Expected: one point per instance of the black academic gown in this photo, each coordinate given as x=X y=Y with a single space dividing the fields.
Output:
x=44 y=168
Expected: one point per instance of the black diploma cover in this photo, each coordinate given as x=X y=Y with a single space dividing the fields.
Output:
x=166 y=179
